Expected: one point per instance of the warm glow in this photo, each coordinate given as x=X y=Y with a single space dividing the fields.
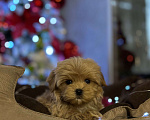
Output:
x=67 y=45
x=58 y=0
x=130 y=58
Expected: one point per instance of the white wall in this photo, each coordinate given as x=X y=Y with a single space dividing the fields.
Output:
x=88 y=24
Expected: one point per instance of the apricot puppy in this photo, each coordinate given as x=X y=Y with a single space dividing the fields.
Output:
x=75 y=90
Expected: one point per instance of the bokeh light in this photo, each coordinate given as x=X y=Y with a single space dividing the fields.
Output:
x=127 y=87
x=27 y=6
x=49 y=50
x=116 y=98
x=9 y=44
x=47 y=6
x=53 y=20
x=15 y=1
x=130 y=58
x=120 y=42
x=12 y=7
x=146 y=114
x=35 y=38
x=110 y=100
x=42 y=20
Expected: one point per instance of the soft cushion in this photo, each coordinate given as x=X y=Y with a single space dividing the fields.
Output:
x=125 y=111
x=9 y=108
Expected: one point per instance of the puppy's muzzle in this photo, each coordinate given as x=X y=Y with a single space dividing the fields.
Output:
x=79 y=91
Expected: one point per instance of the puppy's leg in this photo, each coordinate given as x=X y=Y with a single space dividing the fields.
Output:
x=44 y=99
x=95 y=114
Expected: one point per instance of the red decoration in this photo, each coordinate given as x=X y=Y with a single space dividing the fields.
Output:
x=38 y=3
x=70 y=49
x=3 y=25
x=57 y=3
x=20 y=23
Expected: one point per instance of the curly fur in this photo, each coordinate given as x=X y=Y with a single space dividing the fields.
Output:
x=61 y=99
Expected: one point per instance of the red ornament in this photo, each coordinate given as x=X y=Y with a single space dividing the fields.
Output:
x=38 y=3
x=57 y=3
x=19 y=23
x=70 y=49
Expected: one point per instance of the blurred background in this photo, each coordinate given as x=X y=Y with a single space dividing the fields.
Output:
x=36 y=34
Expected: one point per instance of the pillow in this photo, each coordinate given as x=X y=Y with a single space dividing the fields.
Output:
x=9 y=108
x=123 y=111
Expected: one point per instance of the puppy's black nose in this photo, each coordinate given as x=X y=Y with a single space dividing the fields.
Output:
x=79 y=92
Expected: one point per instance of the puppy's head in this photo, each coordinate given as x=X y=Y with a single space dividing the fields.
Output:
x=77 y=81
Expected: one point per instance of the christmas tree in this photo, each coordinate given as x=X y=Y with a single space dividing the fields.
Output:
x=32 y=35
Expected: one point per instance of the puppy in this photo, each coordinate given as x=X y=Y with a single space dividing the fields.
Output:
x=75 y=90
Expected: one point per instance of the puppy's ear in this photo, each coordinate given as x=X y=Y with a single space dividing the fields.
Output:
x=51 y=80
x=103 y=83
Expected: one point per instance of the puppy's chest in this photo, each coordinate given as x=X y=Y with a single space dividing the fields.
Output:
x=65 y=111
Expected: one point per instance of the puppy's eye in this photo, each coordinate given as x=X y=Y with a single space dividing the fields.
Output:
x=68 y=82
x=87 y=81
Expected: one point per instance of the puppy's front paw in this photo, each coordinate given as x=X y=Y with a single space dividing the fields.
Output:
x=95 y=115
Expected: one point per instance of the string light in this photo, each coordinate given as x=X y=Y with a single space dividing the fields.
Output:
x=116 y=98
x=127 y=87
x=53 y=21
x=27 y=6
x=110 y=100
x=146 y=114
x=42 y=20
x=35 y=38
x=9 y=44
x=49 y=50
x=12 y=7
